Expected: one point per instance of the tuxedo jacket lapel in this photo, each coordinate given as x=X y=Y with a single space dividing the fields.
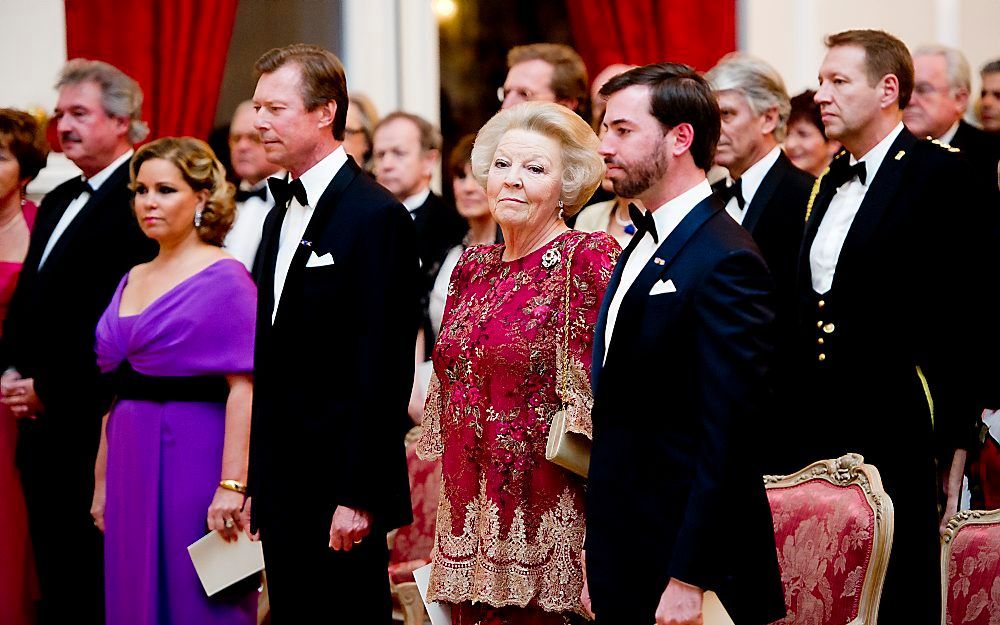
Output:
x=633 y=303
x=765 y=192
x=881 y=191
x=819 y=205
x=323 y=212
x=602 y=317
x=97 y=198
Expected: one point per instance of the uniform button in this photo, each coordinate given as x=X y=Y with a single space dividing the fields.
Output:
x=822 y=357
x=820 y=340
x=822 y=303
x=819 y=324
x=829 y=328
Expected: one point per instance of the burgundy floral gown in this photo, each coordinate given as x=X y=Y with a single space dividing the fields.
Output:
x=510 y=524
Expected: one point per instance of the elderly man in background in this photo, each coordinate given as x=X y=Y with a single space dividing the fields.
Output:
x=546 y=72
x=253 y=201
x=941 y=89
x=84 y=241
x=407 y=149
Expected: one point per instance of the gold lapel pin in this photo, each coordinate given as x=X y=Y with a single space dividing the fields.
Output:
x=900 y=155
x=659 y=261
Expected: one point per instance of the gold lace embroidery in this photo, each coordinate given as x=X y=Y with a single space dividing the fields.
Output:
x=430 y=446
x=479 y=564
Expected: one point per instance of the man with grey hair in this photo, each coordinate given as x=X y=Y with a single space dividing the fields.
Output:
x=764 y=192
x=84 y=241
x=942 y=85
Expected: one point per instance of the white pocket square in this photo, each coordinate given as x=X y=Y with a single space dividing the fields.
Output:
x=663 y=287
x=319 y=261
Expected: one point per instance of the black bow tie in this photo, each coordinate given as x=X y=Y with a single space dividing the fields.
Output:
x=242 y=195
x=80 y=186
x=734 y=190
x=283 y=191
x=643 y=223
x=841 y=171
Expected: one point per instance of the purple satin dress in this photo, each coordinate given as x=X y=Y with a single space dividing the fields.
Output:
x=164 y=459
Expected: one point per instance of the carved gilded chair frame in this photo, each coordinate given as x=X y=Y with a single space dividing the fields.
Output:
x=956 y=524
x=850 y=470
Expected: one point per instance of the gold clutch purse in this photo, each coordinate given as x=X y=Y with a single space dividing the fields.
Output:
x=570 y=450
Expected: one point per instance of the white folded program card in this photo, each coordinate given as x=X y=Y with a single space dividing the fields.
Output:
x=712 y=611
x=221 y=564
x=439 y=613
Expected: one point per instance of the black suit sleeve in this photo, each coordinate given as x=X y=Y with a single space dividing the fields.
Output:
x=733 y=343
x=384 y=335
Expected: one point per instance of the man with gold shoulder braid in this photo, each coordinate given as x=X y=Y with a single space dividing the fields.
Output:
x=885 y=302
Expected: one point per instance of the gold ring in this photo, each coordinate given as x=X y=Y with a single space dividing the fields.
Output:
x=229 y=523
x=357 y=542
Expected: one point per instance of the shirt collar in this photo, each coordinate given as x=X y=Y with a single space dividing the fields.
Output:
x=753 y=176
x=416 y=200
x=949 y=134
x=873 y=159
x=102 y=176
x=673 y=212
x=317 y=178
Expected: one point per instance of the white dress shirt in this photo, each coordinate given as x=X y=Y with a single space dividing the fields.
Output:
x=416 y=200
x=315 y=181
x=77 y=205
x=751 y=180
x=666 y=218
x=832 y=231
x=243 y=238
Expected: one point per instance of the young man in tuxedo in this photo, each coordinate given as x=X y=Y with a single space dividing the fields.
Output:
x=682 y=348
x=890 y=291
x=84 y=241
x=338 y=292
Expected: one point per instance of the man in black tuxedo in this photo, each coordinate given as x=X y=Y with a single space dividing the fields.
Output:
x=888 y=306
x=682 y=348
x=766 y=193
x=941 y=92
x=406 y=150
x=337 y=278
x=84 y=241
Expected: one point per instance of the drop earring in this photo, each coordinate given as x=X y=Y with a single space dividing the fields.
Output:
x=197 y=218
x=560 y=205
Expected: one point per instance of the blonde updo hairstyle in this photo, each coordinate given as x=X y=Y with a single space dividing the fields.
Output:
x=583 y=167
x=202 y=171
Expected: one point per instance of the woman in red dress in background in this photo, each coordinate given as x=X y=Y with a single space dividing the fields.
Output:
x=22 y=156
x=510 y=523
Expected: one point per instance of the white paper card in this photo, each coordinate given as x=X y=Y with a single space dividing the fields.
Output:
x=221 y=564
x=712 y=611
x=439 y=614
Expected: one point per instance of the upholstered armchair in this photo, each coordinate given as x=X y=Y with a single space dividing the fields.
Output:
x=970 y=568
x=833 y=526
x=410 y=546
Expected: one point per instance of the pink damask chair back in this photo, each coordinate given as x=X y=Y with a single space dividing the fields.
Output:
x=833 y=525
x=970 y=566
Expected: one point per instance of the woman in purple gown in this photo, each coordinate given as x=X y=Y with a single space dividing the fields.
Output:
x=177 y=341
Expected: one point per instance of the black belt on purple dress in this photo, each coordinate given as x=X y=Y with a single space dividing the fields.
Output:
x=130 y=384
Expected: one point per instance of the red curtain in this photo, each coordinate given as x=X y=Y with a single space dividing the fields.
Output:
x=696 y=32
x=175 y=49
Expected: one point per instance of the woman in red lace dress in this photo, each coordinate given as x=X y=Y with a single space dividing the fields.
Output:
x=22 y=156
x=510 y=525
